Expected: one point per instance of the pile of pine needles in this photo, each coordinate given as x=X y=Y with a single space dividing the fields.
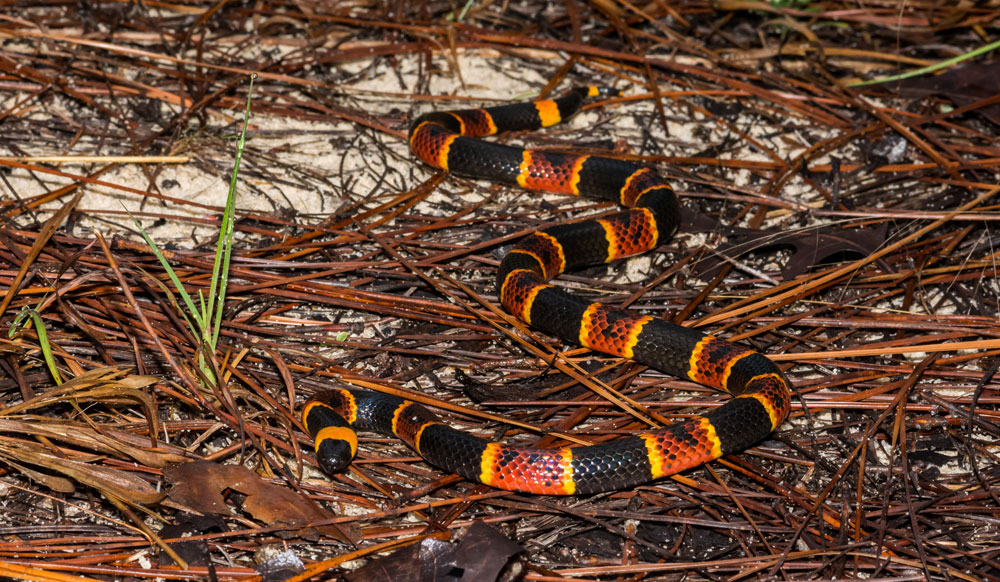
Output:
x=159 y=342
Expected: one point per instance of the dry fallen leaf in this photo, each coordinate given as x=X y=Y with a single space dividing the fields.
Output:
x=107 y=385
x=200 y=485
x=111 y=482
x=107 y=441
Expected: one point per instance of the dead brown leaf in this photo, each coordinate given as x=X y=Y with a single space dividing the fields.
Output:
x=109 y=481
x=201 y=486
x=107 y=441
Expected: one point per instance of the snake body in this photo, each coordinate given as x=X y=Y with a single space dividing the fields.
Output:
x=761 y=395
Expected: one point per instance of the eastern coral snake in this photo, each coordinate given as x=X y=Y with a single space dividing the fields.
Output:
x=447 y=140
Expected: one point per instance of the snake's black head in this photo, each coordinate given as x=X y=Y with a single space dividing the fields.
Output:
x=334 y=454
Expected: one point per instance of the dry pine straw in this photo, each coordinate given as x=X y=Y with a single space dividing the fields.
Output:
x=886 y=469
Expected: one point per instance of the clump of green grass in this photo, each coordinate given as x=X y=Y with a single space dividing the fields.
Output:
x=204 y=316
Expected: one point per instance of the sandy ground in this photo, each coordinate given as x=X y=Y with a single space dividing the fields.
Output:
x=305 y=170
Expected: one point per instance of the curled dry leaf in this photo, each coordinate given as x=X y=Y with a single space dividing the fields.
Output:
x=109 y=481
x=107 y=385
x=479 y=554
x=200 y=485
x=809 y=248
x=58 y=484
x=107 y=441
x=963 y=85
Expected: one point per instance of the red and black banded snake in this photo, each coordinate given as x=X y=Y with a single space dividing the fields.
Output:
x=761 y=395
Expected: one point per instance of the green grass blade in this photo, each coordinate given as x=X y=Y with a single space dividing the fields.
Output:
x=43 y=338
x=170 y=273
x=931 y=68
x=172 y=300
x=224 y=249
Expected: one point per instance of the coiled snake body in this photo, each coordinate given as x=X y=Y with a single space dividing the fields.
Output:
x=761 y=398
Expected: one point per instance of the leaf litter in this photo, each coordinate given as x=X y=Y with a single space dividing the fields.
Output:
x=887 y=469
